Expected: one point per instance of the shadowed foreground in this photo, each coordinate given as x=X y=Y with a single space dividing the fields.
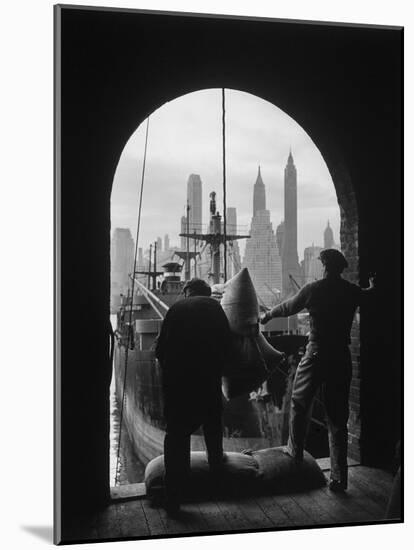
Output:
x=365 y=502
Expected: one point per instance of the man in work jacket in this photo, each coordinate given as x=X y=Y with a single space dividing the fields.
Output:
x=191 y=349
x=331 y=303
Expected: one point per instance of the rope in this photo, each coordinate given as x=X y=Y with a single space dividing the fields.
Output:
x=224 y=181
x=132 y=302
x=286 y=375
x=233 y=256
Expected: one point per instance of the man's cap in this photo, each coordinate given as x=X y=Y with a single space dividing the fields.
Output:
x=197 y=287
x=330 y=257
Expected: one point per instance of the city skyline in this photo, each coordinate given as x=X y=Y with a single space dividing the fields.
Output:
x=164 y=246
x=322 y=241
x=179 y=242
x=185 y=139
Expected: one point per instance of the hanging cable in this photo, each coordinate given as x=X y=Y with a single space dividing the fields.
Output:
x=232 y=257
x=223 y=111
x=132 y=302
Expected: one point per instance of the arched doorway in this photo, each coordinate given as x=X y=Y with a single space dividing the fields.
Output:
x=185 y=136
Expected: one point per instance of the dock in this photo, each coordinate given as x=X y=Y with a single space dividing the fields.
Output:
x=133 y=517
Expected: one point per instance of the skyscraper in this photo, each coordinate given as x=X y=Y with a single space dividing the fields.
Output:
x=142 y=265
x=262 y=253
x=159 y=244
x=312 y=266
x=122 y=259
x=290 y=259
x=166 y=242
x=259 y=195
x=328 y=238
x=194 y=198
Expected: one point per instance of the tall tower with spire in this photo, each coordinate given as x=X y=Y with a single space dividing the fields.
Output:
x=259 y=194
x=290 y=259
x=328 y=238
x=261 y=255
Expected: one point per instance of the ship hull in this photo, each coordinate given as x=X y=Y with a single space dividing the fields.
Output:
x=253 y=421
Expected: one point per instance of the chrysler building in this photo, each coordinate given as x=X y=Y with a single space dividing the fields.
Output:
x=262 y=253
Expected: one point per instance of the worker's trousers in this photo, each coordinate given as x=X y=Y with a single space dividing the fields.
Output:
x=177 y=449
x=331 y=370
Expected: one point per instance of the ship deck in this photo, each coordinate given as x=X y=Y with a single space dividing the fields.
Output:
x=365 y=502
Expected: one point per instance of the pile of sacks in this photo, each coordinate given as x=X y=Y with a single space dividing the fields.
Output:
x=257 y=472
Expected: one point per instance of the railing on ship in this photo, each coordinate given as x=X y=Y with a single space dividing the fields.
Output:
x=232 y=229
x=154 y=301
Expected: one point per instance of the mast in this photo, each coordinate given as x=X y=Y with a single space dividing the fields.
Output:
x=215 y=228
x=215 y=237
x=187 y=263
x=223 y=110
x=195 y=254
x=149 y=267
x=154 y=276
x=152 y=272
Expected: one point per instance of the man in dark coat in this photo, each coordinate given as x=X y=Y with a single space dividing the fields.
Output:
x=331 y=303
x=191 y=349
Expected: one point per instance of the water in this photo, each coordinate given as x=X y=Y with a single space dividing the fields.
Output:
x=131 y=469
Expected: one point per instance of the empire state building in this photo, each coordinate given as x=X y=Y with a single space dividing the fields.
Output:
x=290 y=259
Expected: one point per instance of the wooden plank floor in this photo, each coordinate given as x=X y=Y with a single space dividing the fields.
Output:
x=365 y=501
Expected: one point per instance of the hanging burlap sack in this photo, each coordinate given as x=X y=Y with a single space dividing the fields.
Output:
x=240 y=304
x=251 y=359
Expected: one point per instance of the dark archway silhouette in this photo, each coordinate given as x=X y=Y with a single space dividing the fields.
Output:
x=341 y=84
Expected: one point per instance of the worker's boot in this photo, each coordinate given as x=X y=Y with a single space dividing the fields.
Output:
x=337 y=486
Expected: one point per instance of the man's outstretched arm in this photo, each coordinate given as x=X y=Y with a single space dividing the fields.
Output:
x=288 y=307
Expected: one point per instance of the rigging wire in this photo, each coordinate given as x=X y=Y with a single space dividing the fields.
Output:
x=132 y=302
x=223 y=111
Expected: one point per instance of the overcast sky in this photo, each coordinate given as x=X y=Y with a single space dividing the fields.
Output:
x=185 y=138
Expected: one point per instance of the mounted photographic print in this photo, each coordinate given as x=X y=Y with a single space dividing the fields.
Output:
x=228 y=274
